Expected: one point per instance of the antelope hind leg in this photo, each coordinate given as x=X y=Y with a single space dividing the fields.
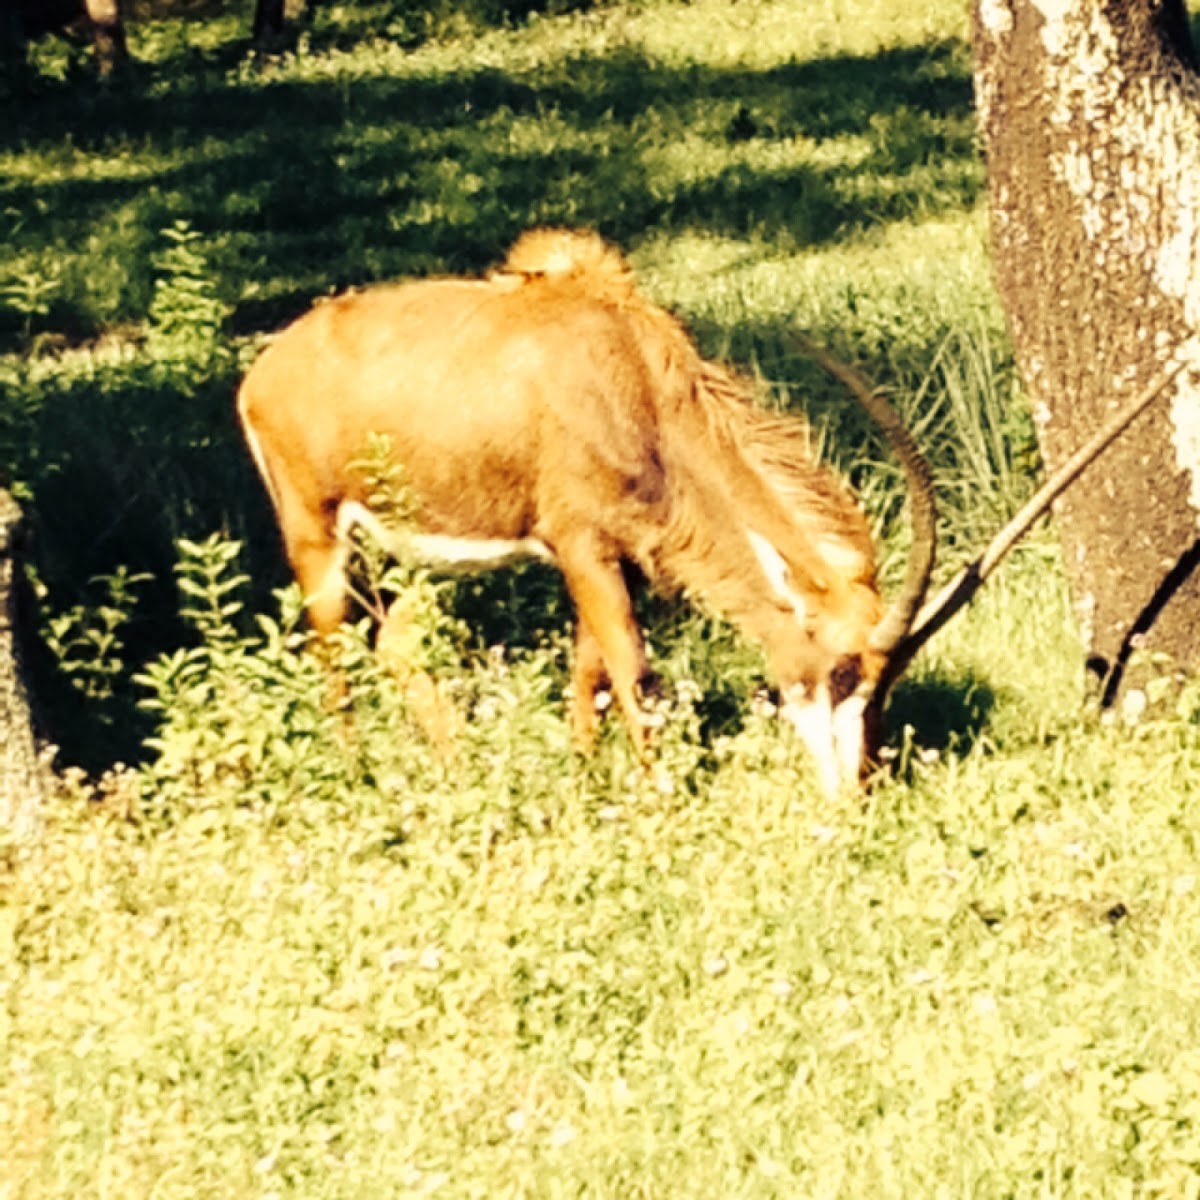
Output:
x=318 y=561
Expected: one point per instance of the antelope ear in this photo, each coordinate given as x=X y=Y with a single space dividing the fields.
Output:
x=778 y=573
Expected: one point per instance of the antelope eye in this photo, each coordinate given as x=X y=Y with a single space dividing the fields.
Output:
x=844 y=679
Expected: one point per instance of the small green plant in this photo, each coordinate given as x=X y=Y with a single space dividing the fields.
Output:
x=187 y=316
x=88 y=640
x=209 y=588
x=269 y=714
x=232 y=709
x=31 y=295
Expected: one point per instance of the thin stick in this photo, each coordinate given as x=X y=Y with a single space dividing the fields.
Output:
x=963 y=587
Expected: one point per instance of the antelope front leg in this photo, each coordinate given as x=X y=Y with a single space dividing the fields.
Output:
x=608 y=642
x=589 y=676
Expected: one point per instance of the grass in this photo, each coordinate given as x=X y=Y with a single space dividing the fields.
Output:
x=271 y=972
x=293 y=952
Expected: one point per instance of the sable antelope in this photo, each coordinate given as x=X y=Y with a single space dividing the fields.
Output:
x=551 y=410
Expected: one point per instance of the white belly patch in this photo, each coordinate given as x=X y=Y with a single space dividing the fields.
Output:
x=439 y=549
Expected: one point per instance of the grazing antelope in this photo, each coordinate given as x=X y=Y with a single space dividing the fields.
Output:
x=551 y=411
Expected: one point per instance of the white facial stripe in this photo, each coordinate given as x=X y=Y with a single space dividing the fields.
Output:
x=834 y=737
x=437 y=549
x=849 y=737
x=813 y=721
x=776 y=570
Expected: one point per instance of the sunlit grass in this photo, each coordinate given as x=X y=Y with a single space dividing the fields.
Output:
x=518 y=976
x=677 y=117
x=296 y=952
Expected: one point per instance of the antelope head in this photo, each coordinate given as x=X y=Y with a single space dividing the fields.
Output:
x=848 y=714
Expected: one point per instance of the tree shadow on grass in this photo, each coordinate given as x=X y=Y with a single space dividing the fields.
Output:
x=939 y=712
x=303 y=186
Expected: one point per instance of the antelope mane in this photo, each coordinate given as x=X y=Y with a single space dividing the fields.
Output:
x=733 y=471
x=736 y=471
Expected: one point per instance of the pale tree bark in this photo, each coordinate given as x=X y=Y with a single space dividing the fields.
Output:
x=1090 y=116
x=21 y=773
x=108 y=34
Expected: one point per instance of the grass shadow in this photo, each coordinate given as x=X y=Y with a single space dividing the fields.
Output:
x=944 y=712
x=304 y=185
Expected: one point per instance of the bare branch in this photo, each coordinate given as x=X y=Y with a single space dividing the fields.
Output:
x=960 y=590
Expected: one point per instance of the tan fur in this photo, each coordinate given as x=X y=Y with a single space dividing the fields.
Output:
x=567 y=253
x=552 y=401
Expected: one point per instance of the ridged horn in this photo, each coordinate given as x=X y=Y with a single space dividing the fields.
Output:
x=892 y=631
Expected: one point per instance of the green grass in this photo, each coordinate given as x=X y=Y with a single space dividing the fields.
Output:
x=297 y=953
x=281 y=962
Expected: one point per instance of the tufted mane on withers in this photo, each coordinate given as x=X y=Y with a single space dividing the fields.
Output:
x=578 y=255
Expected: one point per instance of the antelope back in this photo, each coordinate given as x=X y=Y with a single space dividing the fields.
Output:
x=503 y=404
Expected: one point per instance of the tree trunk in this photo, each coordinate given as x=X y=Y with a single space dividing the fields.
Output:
x=13 y=58
x=268 y=20
x=21 y=779
x=1090 y=115
x=108 y=34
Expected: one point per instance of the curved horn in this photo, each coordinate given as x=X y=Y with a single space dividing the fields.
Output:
x=891 y=632
x=960 y=590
